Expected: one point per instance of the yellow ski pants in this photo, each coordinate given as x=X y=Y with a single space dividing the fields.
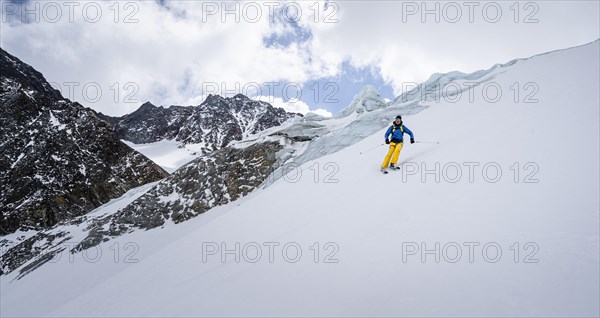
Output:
x=393 y=153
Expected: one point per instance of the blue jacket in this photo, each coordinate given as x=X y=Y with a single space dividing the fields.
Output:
x=397 y=132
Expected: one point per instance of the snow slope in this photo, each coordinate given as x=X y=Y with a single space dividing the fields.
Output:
x=371 y=221
x=168 y=154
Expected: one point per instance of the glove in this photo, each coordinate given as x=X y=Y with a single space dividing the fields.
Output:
x=412 y=140
x=387 y=142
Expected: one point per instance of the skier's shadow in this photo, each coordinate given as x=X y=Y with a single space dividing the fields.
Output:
x=413 y=156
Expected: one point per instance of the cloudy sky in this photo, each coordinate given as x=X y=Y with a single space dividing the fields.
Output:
x=302 y=55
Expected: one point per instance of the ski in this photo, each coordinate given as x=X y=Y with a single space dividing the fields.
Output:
x=384 y=171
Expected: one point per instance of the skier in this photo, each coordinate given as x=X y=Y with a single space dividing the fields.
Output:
x=397 y=131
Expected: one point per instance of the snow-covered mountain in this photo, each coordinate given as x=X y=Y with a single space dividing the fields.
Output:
x=210 y=126
x=327 y=234
x=58 y=159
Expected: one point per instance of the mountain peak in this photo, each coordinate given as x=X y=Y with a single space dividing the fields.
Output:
x=212 y=99
x=147 y=106
x=240 y=96
x=17 y=71
x=66 y=158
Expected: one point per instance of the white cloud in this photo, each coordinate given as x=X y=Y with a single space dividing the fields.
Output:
x=293 y=105
x=170 y=55
x=374 y=33
x=322 y=112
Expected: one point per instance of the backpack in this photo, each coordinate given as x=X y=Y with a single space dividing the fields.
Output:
x=394 y=128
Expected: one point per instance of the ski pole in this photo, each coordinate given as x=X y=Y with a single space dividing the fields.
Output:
x=372 y=148
x=427 y=142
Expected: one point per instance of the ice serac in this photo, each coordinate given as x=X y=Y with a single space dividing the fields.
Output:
x=449 y=85
x=368 y=99
x=58 y=160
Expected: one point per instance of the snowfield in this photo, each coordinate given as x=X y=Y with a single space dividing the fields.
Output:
x=168 y=154
x=501 y=218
